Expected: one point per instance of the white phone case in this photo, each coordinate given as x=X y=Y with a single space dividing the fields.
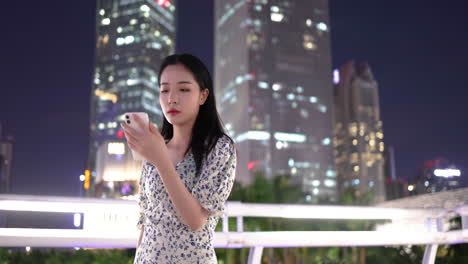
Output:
x=128 y=119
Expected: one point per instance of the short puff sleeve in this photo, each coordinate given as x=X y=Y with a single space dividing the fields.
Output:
x=216 y=177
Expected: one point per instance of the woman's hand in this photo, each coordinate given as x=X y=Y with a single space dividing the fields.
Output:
x=148 y=142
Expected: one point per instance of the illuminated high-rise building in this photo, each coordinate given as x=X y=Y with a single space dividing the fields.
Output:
x=436 y=175
x=358 y=141
x=132 y=39
x=274 y=87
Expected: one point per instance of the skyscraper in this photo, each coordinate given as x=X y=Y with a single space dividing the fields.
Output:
x=132 y=38
x=358 y=132
x=273 y=78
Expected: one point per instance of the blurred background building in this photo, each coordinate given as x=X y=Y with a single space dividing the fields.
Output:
x=358 y=141
x=273 y=81
x=6 y=161
x=435 y=176
x=132 y=39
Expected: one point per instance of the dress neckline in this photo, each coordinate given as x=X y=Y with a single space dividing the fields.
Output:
x=184 y=159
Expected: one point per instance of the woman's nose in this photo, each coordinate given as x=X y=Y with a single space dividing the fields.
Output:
x=172 y=98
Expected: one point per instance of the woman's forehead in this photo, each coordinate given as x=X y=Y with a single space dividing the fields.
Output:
x=176 y=73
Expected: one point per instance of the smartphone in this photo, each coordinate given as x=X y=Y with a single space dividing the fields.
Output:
x=129 y=120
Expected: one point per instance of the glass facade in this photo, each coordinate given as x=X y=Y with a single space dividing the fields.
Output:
x=132 y=39
x=273 y=81
x=359 y=145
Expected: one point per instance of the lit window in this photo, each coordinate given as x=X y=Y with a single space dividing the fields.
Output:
x=299 y=89
x=133 y=21
x=315 y=191
x=313 y=99
x=322 y=26
x=355 y=142
x=102 y=12
x=371 y=184
x=120 y=41
x=276 y=87
x=105 y=21
x=144 y=8
x=308 y=42
x=291 y=162
x=293 y=170
x=331 y=173
x=258 y=7
x=263 y=85
x=356 y=168
x=356 y=181
x=329 y=183
x=294 y=105
x=274 y=9
x=253 y=135
x=290 y=137
x=116 y=148
x=326 y=141
x=156 y=45
x=322 y=108
x=129 y=39
x=309 y=22
x=290 y=96
x=336 y=76
x=316 y=183
x=275 y=17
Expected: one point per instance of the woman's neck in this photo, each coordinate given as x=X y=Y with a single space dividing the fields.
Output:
x=181 y=137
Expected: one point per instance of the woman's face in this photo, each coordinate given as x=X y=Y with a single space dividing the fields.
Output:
x=180 y=95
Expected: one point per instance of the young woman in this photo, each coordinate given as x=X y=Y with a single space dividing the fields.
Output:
x=189 y=169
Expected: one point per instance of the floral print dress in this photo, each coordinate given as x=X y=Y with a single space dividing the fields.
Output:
x=166 y=239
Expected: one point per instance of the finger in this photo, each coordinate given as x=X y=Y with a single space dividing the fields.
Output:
x=128 y=129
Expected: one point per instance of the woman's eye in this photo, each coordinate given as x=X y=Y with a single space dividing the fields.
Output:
x=185 y=90
x=163 y=91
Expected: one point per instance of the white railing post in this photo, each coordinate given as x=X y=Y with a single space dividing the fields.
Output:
x=225 y=223
x=255 y=255
x=464 y=220
x=240 y=224
x=430 y=253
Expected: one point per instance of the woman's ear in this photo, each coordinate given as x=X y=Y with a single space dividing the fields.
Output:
x=204 y=96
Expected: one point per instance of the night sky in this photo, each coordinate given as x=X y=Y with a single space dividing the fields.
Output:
x=418 y=51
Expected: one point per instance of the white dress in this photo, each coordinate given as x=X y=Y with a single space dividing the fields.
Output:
x=166 y=239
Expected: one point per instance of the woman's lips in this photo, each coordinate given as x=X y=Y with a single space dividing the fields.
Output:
x=173 y=112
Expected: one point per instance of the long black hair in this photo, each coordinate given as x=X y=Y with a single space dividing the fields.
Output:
x=208 y=127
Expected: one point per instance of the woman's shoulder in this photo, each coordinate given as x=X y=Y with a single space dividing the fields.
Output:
x=224 y=146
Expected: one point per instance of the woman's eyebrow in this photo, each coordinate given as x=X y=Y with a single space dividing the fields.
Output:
x=181 y=82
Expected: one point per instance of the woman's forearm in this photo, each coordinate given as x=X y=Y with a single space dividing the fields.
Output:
x=186 y=206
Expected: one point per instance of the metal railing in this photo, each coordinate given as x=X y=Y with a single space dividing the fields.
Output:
x=101 y=219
